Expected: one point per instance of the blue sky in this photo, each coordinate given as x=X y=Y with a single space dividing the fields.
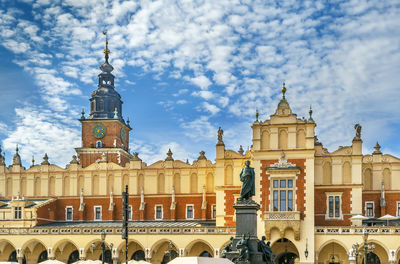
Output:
x=185 y=68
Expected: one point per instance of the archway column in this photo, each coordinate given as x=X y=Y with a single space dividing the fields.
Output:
x=50 y=253
x=20 y=255
x=392 y=256
x=82 y=254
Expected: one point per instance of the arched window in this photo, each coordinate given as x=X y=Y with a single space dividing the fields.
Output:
x=95 y=185
x=228 y=175
x=327 y=173
x=52 y=185
x=37 y=186
x=210 y=183
x=283 y=139
x=301 y=139
x=386 y=178
x=367 y=179
x=161 y=183
x=193 y=183
x=177 y=182
x=346 y=171
x=265 y=140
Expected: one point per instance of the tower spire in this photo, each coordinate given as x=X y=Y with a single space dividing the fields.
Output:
x=106 y=50
x=283 y=90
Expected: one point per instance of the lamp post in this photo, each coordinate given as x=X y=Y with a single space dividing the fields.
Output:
x=104 y=246
x=356 y=251
x=367 y=248
x=306 y=251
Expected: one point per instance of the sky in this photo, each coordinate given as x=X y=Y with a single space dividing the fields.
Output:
x=185 y=68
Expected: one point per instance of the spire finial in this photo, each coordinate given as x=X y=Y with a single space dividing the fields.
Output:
x=310 y=112
x=257 y=115
x=17 y=149
x=283 y=90
x=33 y=160
x=106 y=51
x=83 y=113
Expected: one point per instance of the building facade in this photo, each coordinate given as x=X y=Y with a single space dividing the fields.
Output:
x=309 y=197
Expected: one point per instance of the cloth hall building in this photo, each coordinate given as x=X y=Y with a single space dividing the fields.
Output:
x=311 y=199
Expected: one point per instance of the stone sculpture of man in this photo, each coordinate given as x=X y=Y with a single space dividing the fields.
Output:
x=247 y=176
x=266 y=250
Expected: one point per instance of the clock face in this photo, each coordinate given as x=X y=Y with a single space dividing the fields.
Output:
x=99 y=131
x=123 y=135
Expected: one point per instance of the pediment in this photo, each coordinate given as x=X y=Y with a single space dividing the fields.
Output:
x=343 y=151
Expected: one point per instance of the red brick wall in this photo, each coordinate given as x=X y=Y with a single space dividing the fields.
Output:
x=300 y=184
x=46 y=213
x=228 y=206
x=391 y=202
x=57 y=208
x=320 y=207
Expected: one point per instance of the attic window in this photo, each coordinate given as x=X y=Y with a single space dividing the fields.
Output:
x=17 y=212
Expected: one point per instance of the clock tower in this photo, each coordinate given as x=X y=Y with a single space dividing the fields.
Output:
x=105 y=135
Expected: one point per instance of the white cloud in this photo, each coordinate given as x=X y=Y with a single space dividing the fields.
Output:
x=202 y=81
x=211 y=108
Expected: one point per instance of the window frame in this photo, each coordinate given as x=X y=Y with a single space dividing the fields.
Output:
x=155 y=212
x=18 y=212
x=101 y=213
x=286 y=190
x=398 y=208
x=66 y=213
x=334 y=216
x=213 y=211
x=366 y=207
x=130 y=215
x=186 y=214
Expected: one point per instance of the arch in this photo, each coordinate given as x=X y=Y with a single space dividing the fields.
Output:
x=193 y=183
x=380 y=250
x=60 y=245
x=210 y=182
x=265 y=138
x=346 y=172
x=301 y=139
x=140 y=183
x=66 y=185
x=333 y=249
x=73 y=257
x=159 y=248
x=9 y=188
x=23 y=185
x=327 y=173
x=52 y=185
x=161 y=183
x=367 y=181
x=107 y=256
x=386 y=175
x=95 y=185
x=121 y=246
x=283 y=139
x=81 y=183
x=284 y=249
x=138 y=255
x=228 y=175
x=177 y=182
x=33 y=249
x=38 y=184
x=6 y=248
x=133 y=246
x=197 y=247
x=333 y=241
x=110 y=184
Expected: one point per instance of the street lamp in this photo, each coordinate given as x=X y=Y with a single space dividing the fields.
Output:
x=104 y=246
x=356 y=250
x=367 y=248
x=306 y=251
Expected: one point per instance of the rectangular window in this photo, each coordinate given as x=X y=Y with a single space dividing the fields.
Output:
x=369 y=209
x=334 y=205
x=398 y=208
x=189 y=211
x=158 y=212
x=68 y=213
x=130 y=212
x=17 y=212
x=214 y=211
x=97 y=213
x=283 y=195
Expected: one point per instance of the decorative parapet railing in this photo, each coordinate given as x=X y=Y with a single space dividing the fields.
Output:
x=356 y=230
x=277 y=216
x=117 y=231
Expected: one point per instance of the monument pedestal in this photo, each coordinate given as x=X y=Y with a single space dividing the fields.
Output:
x=246 y=229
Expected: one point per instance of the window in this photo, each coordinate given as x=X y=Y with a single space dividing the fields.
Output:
x=68 y=213
x=158 y=212
x=130 y=212
x=17 y=212
x=369 y=209
x=283 y=191
x=213 y=211
x=398 y=208
x=97 y=213
x=98 y=144
x=334 y=201
x=189 y=211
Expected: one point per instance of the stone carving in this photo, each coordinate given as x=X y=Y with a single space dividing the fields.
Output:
x=74 y=160
x=268 y=256
x=220 y=135
x=241 y=151
x=169 y=156
x=247 y=176
x=202 y=156
x=243 y=248
x=227 y=248
x=357 y=127
x=283 y=163
x=377 y=149
x=45 y=160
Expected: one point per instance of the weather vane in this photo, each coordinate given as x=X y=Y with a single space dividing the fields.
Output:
x=106 y=51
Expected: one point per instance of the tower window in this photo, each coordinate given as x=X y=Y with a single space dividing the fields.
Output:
x=68 y=213
x=101 y=106
x=99 y=144
x=97 y=213
x=189 y=211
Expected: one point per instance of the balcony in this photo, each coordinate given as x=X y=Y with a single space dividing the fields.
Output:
x=282 y=221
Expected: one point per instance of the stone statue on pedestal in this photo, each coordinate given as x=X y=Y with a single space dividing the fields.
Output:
x=247 y=176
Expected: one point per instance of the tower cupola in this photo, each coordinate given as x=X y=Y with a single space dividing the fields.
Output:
x=106 y=101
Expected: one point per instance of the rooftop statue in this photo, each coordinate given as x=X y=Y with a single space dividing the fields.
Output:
x=247 y=176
